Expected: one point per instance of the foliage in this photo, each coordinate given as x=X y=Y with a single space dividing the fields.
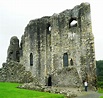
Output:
x=99 y=65
x=10 y=90
x=100 y=84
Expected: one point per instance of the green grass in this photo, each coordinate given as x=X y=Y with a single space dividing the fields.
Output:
x=100 y=91
x=9 y=90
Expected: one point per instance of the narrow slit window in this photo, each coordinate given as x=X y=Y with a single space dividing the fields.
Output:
x=71 y=61
x=21 y=49
x=31 y=59
x=17 y=56
x=65 y=60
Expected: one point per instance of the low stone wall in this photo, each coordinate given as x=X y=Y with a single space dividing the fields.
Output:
x=68 y=92
x=14 y=72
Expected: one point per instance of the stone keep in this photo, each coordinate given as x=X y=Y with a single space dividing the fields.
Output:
x=59 y=50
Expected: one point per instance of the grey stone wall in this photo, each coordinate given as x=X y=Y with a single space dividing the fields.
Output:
x=66 y=77
x=14 y=72
x=13 y=50
x=37 y=42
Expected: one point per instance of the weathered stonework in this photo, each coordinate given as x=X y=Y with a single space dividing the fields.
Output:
x=58 y=50
x=14 y=72
x=13 y=50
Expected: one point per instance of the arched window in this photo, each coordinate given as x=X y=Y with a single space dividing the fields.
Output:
x=65 y=60
x=31 y=59
x=73 y=22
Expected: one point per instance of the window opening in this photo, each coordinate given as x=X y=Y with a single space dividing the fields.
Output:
x=65 y=59
x=73 y=22
x=21 y=49
x=12 y=74
x=71 y=61
x=31 y=59
x=17 y=56
x=10 y=55
x=48 y=29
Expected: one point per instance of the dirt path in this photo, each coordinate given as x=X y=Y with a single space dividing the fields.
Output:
x=90 y=94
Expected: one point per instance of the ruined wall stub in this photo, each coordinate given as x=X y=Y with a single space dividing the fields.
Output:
x=13 y=50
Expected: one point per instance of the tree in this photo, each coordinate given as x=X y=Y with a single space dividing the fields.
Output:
x=99 y=65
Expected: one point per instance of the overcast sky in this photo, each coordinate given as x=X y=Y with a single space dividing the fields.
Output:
x=16 y=14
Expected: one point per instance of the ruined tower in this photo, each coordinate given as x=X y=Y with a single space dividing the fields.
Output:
x=58 y=50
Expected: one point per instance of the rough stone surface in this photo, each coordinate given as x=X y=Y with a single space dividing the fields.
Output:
x=55 y=43
x=66 y=77
x=68 y=92
x=15 y=72
x=13 y=49
x=57 y=50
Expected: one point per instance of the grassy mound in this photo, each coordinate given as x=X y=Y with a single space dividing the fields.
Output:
x=9 y=90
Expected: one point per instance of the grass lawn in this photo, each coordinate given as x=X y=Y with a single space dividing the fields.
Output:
x=100 y=91
x=9 y=90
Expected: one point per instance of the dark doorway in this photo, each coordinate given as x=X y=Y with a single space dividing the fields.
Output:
x=49 y=81
x=65 y=59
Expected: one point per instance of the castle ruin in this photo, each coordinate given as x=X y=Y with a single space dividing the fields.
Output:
x=57 y=50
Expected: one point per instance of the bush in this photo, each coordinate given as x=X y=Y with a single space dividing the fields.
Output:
x=100 y=78
x=100 y=84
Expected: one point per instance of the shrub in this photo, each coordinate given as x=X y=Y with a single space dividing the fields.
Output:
x=100 y=84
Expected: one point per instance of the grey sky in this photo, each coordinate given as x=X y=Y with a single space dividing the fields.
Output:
x=16 y=14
